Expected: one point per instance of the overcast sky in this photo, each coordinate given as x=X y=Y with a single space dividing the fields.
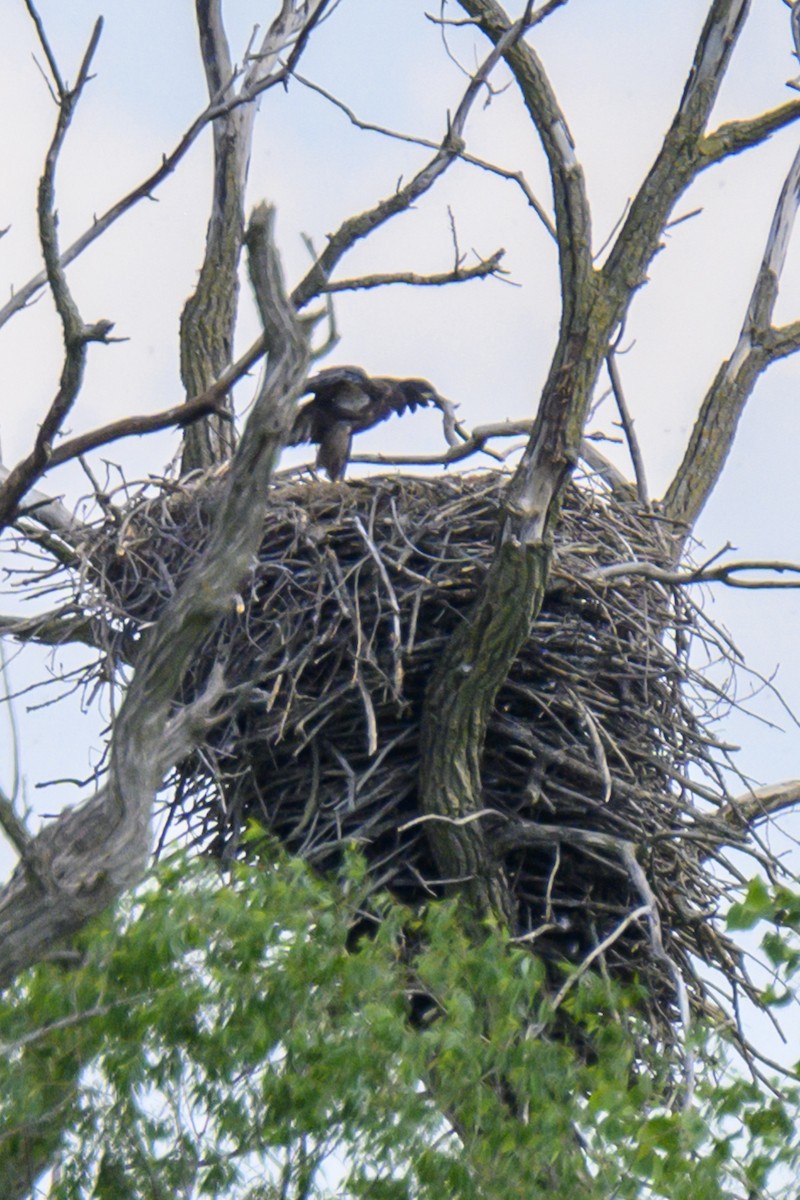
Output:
x=618 y=66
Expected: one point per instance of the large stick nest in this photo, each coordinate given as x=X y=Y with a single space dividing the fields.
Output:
x=604 y=724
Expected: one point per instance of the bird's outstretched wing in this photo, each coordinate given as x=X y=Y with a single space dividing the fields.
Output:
x=402 y=395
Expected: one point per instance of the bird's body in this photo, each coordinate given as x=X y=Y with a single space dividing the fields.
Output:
x=346 y=401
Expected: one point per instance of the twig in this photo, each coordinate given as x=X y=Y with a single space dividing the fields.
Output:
x=634 y=448
x=450 y=149
x=397 y=637
x=486 y=266
x=725 y=573
x=484 y=165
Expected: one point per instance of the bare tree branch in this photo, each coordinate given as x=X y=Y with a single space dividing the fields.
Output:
x=760 y=804
x=13 y=826
x=634 y=449
x=451 y=147
x=219 y=107
x=55 y=628
x=77 y=335
x=735 y=136
x=493 y=168
x=573 y=222
x=47 y=511
x=727 y=573
x=681 y=156
x=486 y=266
x=92 y=853
x=758 y=345
x=209 y=316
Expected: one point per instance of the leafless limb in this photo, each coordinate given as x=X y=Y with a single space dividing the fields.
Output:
x=47 y=511
x=681 y=156
x=634 y=448
x=533 y=19
x=53 y=514
x=727 y=573
x=471 y=444
x=77 y=334
x=493 y=168
x=209 y=316
x=487 y=266
x=761 y=803
x=54 y=628
x=759 y=344
x=13 y=827
x=573 y=227
x=220 y=106
x=92 y=853
x=735 y=136
x=353 y=229
x=179 y=417
x=604 y=469
x=477 y=442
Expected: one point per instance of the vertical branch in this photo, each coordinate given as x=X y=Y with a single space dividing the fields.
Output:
x=683 y=154
x=759 y=344
x=76 y=334
x=209 y=316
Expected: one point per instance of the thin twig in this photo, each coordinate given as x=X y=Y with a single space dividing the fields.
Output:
x=634 y=449
x=484 y=165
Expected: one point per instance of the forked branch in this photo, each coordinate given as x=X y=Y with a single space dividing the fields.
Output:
x=209 y=316
x=77 y=334
x=759 y=344
x=92 y=853
x=451 y=147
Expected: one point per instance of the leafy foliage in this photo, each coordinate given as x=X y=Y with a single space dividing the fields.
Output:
x=224 y=1037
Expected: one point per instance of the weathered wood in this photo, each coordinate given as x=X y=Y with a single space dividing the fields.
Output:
x=209 y=317
x=93 y=853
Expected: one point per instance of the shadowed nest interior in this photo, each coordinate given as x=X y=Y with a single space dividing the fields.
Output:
x=605 y=723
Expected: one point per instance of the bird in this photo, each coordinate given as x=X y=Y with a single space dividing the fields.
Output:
x=346 y=400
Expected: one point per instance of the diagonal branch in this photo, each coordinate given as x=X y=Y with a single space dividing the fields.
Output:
x=573 y=220
x=493 y=168
x=482 y=269
x=682 y=154
x=736 y=136
x=220 y=106
x=93 y=853
x=209 y=315
x=353 y=229
x=77 y=335
x=758 y=345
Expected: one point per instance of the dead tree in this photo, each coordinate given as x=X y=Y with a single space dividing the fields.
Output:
x=517 y=583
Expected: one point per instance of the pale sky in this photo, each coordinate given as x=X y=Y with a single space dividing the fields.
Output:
x=619 y=68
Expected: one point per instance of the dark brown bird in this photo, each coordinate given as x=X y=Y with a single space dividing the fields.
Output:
x=346 y=401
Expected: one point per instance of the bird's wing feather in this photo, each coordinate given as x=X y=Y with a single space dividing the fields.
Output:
x=402 y=395
x=304 y=426
x=329 y=381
